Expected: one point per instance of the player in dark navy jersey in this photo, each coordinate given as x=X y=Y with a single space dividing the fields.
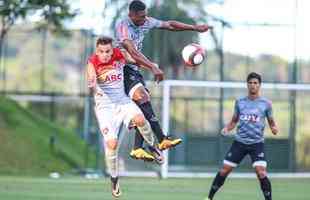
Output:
x=250 y=113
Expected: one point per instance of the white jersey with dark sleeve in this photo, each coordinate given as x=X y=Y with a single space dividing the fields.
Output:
x=252 y=115
x=126 y=29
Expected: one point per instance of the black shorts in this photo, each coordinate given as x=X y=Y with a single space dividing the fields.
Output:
x=239 y=150
x=132 y=78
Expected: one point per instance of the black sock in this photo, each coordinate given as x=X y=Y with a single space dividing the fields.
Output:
x=217 y=183
x=138 y=139
x=266 y=187
x=148 y=112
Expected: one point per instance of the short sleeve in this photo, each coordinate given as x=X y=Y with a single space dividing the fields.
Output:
x=92 y=59
x=118 y=55
x=154 y=23
x=122 y=32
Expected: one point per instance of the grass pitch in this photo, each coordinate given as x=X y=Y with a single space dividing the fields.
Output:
x=29 y=188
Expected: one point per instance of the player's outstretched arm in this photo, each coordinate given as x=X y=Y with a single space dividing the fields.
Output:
x=91 y=77
x=128 y=57
x=143 y=61
x=180 y=26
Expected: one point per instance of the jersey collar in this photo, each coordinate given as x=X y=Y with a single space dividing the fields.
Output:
x=131 y=23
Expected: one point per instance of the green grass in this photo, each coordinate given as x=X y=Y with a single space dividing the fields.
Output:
x=25 y=143
x=28 y=188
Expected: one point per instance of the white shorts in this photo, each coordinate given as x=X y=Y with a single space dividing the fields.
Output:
x=112 y=116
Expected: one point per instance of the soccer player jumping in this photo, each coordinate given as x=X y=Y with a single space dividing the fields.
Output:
x=130 y=33
x=250 y=112
x=112 y=106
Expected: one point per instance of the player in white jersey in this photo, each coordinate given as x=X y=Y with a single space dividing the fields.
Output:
x=112 y=106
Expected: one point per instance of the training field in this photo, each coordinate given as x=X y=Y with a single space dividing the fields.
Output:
x=16 y=188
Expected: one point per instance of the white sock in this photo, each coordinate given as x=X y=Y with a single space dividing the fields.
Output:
x=147 y=133
x=111 y=162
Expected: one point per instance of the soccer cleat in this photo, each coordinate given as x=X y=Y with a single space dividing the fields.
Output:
x=116 y=191
x=169 y=143
x=159 y=158
x=141 y=154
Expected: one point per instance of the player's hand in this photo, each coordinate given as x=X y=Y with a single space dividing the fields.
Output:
x=91 y=82
x=158 y=73
x=202 y=28
x=92 y=91
x=225 y=131
x=274 y=130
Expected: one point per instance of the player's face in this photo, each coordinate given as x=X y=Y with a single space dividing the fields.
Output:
x=104 y=52
x=253 y=86
x=138 y=18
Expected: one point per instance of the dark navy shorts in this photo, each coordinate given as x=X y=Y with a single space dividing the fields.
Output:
x=239 y=150
x=132 y=80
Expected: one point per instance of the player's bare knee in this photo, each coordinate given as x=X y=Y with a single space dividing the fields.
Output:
x=260 y=172
x=225 y=171
x=112 y=144
x=140 y=96
x=139 y=120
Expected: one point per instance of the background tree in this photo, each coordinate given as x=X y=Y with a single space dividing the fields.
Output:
x=164 y=47
x=52 y=13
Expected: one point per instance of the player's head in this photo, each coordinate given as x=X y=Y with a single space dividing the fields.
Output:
x=104 y=48
x=254 y=81
x=137 y=12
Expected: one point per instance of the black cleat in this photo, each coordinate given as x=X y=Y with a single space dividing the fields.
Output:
x=116 y=191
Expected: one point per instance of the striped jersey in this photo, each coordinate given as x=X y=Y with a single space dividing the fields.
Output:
x=126 y=29
x=252 y=115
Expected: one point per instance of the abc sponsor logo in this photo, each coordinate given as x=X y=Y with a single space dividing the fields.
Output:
x=110 y=77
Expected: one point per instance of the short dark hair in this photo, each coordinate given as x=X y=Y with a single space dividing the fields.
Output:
x=104 y=40
x=136 y=6
x=254 y=75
